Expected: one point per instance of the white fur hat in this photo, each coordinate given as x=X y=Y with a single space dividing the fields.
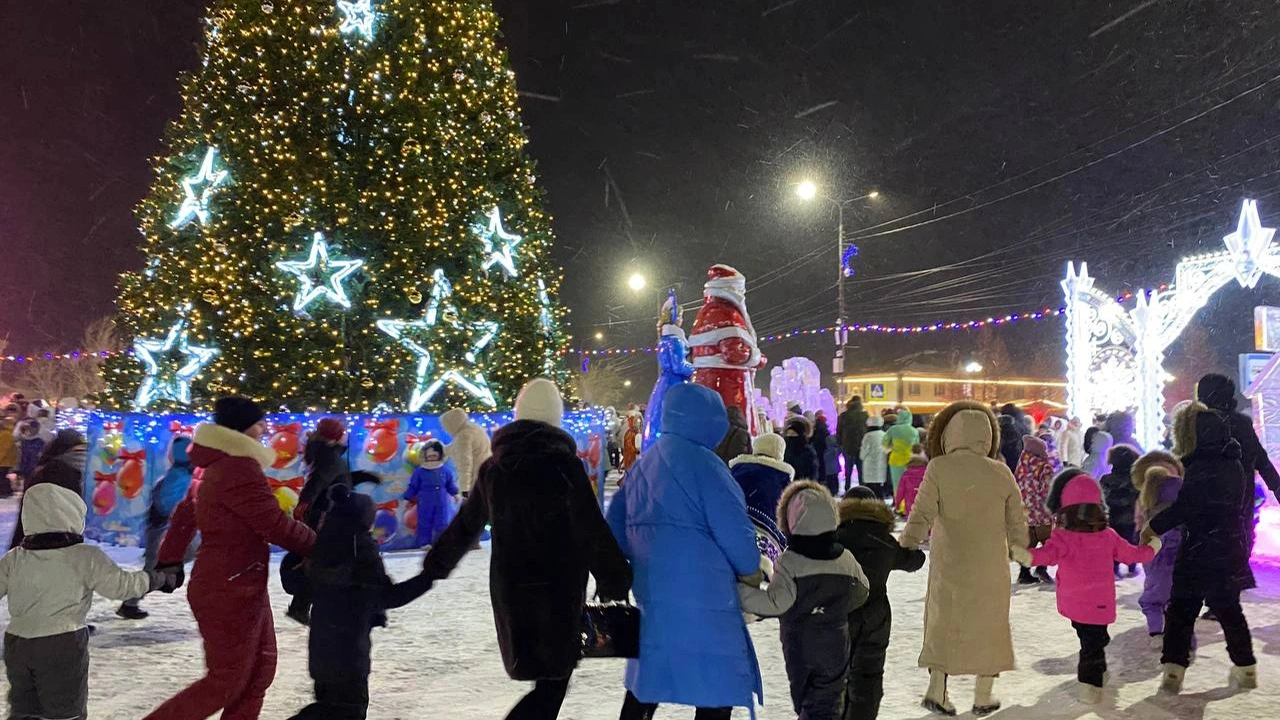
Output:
x=770 y=445
x=540 y=400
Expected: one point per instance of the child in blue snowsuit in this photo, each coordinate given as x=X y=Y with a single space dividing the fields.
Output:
x=434 y=487
x=169 y=490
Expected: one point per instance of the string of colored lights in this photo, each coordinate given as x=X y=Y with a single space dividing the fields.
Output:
x=860 y=328
x=73 y=355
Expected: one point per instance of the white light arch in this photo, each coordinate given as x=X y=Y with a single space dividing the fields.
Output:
x=1115 y=357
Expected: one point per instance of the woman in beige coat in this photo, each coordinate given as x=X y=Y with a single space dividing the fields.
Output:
x=970 y=509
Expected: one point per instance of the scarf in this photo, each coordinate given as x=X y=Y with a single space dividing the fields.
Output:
x=51 y=540
x=816 y=547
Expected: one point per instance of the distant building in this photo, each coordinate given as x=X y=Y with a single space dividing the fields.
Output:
x=928 y=392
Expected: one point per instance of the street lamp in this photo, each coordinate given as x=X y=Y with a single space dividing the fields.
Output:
x=599 y=335
x=637 y=282
x=808 y=190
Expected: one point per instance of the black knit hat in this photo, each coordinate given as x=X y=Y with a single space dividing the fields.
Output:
x=1217 y=391
x=237 y=413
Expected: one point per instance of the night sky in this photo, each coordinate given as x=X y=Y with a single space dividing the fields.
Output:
x=1005 y=136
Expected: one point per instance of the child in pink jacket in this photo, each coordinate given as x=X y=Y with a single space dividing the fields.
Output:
x=1085 y=550
x=912 y=479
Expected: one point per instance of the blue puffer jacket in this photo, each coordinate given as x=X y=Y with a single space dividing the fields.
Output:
x=682 y=521
x=172 y=486
x=762 y=480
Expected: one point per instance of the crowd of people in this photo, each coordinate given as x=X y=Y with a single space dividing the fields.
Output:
x=679 y=539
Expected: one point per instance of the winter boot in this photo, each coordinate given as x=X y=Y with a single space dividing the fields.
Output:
x=1042 y=573
x=299 y=613
x=935 y=699
x=1244 y=678
x=1088 y=694
x=1026 y=578
x=984 y=699
x=129 y=611
x=1157 y=641
x=1171 y=679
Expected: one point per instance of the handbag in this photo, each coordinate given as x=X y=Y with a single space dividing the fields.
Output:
x=610 y=630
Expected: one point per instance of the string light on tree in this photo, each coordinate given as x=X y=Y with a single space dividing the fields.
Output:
x=358 y=18
x=170 y=365
x=544 y=299
x=198 y=189
x=330 y=273
x=498 y=253
x=429 y=378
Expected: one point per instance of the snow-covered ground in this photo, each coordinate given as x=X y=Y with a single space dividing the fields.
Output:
x=439 y=659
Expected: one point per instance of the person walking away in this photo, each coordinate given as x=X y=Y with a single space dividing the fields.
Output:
x=548 y=534
x=325 y=460
x=873 y=471
x=61 y=463
x=1099 y=447
x=1121 y=497
x=682 y=521
x=169 y=490
x=763 y=475
x=816 y=585
x=1084 y=548
x=1010 y=441
x=468 y=447
x=8 y=448
x=30 y=446
x=800 y=454
x=909 y=486
x=737 y=441
x=828 y=451
x=1158 y=478
x=239 y=520
x=1121 y=426
x=970 y=503
x=1035 y=478
x=1221 y=452
x=866 y=530
x=1071 y=445
x=50 y=580
x=350 y=593
x=899 y=440
x=851 y=427
x=432 y=486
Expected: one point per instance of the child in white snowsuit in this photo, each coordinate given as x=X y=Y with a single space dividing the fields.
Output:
x=816 y=584
x=50 y=580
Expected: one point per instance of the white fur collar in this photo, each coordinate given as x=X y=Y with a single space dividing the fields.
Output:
x=235 y=444
x=766 y=461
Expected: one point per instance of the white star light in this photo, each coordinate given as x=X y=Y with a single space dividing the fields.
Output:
x=358 y=17
x=318 y=263
x=1249 y=245
x=199 y=188
x=498 y=255
x=426 y=385
x=177 y=389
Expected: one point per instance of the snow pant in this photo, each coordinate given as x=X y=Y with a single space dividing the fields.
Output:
x=239 y=655
x=348 y=700
x=1094 y=640
x=849 y=464
x=1180 y=625
x=48 y=676
x=6 y=487
x=542 y=703
x=869 y=629
x=633 y=709
x=817 y=658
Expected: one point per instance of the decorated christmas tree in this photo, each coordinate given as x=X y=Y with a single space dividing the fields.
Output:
x=345 y=218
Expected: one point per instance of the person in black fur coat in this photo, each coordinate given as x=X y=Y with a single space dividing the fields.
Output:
x=866 y=530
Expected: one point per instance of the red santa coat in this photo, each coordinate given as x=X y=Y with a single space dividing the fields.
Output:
x=723 y=342
x=238 y=519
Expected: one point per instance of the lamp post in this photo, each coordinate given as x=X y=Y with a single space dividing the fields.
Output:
x=808 y=190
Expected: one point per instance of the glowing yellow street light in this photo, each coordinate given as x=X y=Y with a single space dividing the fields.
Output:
x=637 y=282
x=807 y=190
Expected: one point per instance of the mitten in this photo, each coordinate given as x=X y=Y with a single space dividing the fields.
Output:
x=1154 y=543
x=176 y=575
x=158 y=581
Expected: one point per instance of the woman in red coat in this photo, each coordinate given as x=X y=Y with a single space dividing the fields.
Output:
x=238 y=519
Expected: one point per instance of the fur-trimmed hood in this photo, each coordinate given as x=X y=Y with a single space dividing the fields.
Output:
x=806 y=508
x=1150 y=474
x=1184 y=428
x=970 y=433
x=765 y=461
x=852 y=509
x=212 y=440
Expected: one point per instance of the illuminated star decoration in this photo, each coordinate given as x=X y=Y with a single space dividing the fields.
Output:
x=318 y=264
x=358 y=17
x=199 y=188
x=172 y=382
x=1249 y=245
x=501 y=254
x=429 y=379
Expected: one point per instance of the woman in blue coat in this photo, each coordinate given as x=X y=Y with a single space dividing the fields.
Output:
x=682 y=521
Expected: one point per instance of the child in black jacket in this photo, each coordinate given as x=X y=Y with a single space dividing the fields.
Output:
x=866 y=528
x=816 y=584
x=1121 y=496
x=350 y=592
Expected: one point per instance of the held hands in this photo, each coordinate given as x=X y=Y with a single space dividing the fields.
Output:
x=173 y=577
x=1020 y=555
x=755 y=580
x=1147 y=535
x=1154 y=543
